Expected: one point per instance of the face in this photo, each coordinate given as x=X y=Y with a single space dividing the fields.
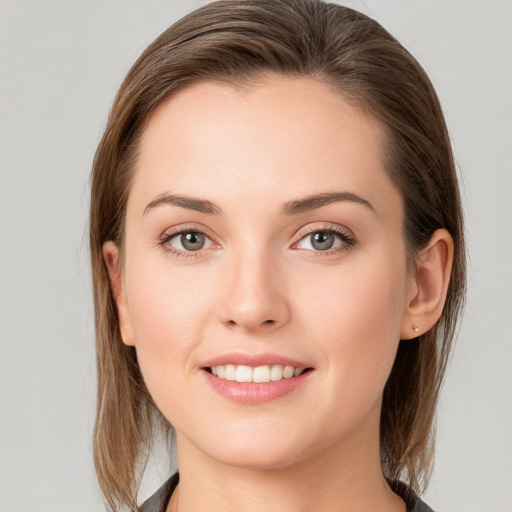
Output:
x=264 y=245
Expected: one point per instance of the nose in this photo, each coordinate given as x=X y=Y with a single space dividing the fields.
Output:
x=255 y=298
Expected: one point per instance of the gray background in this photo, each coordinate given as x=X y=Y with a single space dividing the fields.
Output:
x=60 y=65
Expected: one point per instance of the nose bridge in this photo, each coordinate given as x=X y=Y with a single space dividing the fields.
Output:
x=255 y=295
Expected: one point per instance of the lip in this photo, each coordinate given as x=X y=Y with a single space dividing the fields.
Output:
x=254 y=360
x=254 y=393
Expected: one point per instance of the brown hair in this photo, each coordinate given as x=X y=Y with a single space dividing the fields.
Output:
x=235 y=41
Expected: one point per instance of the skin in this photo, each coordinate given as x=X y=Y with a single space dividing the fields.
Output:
x=259 y=286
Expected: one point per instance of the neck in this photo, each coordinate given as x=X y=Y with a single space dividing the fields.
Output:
x=347 y=477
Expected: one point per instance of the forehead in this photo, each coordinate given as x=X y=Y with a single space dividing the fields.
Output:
x=272 y=139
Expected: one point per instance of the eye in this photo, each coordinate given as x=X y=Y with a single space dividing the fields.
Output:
x=325 y=240
x=187 y=241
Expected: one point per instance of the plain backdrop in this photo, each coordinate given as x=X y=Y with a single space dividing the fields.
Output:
x=61 y=63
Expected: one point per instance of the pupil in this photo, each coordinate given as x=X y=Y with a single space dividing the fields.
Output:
x=323 y=240
x=192 y=241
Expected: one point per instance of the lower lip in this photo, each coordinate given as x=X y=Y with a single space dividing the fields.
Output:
x=255 y=393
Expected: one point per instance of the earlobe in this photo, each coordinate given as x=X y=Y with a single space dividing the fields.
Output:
x=428 y=285
x=111 y=257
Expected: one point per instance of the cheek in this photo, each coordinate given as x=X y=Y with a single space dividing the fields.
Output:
x=165 y=300
x=168 y=310
x=355 y=316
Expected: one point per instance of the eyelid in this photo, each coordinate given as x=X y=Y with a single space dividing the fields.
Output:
x=186 y=228
x=170 y=233
x=345 y=234
x=326 y=226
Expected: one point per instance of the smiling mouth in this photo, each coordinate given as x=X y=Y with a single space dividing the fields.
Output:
x=255 y=374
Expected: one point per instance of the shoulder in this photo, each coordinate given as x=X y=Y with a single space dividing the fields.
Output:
x=158 y=501
x=412 y=502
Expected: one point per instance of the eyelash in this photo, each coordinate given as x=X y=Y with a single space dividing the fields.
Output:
x=169 y=235
x=348 y=240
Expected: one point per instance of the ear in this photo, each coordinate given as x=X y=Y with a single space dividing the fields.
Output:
x=111 y=257
x=428 y=285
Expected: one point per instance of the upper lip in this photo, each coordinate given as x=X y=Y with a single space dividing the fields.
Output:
x=254 y=360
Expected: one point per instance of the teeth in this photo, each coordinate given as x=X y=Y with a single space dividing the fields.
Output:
x=257 y=374
x=288 y=372
x=243 y=374
x=230 y=372
x=261 y=374
x=276 y=372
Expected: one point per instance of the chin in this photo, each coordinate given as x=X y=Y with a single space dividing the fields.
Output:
x=261 y=447
x=257 y=458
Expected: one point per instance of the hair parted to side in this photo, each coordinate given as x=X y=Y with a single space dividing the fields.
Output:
x=236 y=42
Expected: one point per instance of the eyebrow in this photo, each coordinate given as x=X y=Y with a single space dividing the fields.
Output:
x=316 y=201
x=290 y=208
x=190 y=203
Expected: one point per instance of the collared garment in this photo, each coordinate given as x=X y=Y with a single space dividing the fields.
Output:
x=158 y=502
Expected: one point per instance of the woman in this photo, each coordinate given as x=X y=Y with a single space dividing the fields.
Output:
x=278 y=264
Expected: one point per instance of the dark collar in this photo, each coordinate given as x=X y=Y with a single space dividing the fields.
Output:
x=158 y=502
